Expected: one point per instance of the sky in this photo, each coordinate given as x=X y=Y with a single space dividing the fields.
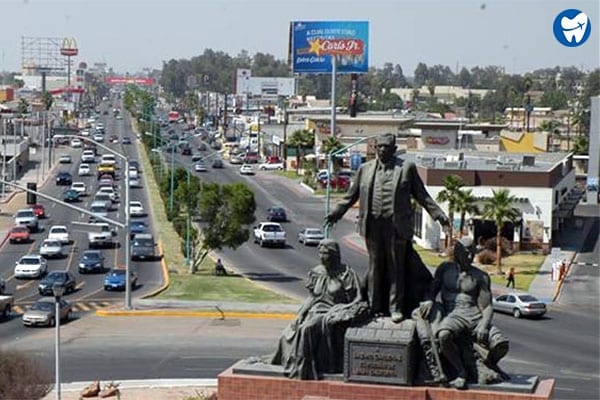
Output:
x=131 y=35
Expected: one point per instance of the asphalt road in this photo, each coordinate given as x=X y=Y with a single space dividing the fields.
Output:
x=90 y=292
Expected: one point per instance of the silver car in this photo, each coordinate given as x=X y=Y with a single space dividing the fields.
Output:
x=42 y=312
x=309 y=236
x=51 y=248
x=519 y=305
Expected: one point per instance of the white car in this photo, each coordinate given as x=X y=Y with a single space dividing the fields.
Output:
x=64 y=159
x=110 y=191
x=135 y=183
x=84 y=170
x=84 y=132
x=79 y=187
x=31 y=266
x=271 y=166
x=51 y=248
x=200 y=167
x=136 y=209
x=108 y=159
x=98 y=137
x=60 y=233
x=88 y=156
x=247 y=169
x=75 y=143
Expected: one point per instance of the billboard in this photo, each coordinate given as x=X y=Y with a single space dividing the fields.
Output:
x=114 y=80
x=313 y=43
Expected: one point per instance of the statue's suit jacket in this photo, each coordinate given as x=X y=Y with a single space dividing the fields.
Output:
x=407 y=184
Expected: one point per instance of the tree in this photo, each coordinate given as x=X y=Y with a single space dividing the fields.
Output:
x=421 y=75
x=226 y=211
x=47 y=100
x=465 y=204
x=330 y=145
x=300 y=139
x=581 y=145
x=554 y=99
x=451 y=195
x=499 y=208
x=23 y=106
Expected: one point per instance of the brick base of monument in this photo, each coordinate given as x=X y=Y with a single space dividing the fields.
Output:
x=251 y=387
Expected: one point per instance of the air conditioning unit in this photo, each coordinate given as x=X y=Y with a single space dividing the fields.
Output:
x=528 y=161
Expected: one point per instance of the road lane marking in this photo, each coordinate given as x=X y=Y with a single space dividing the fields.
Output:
x=83 y=306
x=71 y=254
x=24 y=285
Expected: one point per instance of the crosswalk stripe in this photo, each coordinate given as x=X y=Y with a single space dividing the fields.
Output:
x=18 y=309
x=82 y=306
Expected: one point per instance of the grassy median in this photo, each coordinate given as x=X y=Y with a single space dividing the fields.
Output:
x=203 y=285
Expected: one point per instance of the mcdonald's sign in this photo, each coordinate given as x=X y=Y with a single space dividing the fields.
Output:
x=68 y=47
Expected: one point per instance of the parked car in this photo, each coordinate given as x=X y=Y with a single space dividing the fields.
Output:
x=135 y=183
x=338 y=182
x=51 y=248
x=64 y=179
x=91 y=261
x=115 y=279
x=31 y=266
x=64 y=159
x=84 y=170
x=236 y=159
x=43 y=312
x=19 y=234
x=246 y=169
x=60 y=233
x=27 y=217
x=519 y=305
x=136 y=209
x=308 y=236
x=63 y=278
x=39 y=210
x=276 y=214
x=70 y=196
x=271 y=165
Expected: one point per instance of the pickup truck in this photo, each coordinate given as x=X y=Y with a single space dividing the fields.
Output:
x=271 y=165
x=101 y=235
x=269 y=233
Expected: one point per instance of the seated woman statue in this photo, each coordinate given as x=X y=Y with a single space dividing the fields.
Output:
x=313 y=343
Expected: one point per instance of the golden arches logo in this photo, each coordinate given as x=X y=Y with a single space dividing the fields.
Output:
x=68 y=47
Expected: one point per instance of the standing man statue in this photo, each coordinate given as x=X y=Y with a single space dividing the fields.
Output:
x=385 y=187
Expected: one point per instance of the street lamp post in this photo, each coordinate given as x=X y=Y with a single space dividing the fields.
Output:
x=58 y=291
x=172 y=179
x=330 y=156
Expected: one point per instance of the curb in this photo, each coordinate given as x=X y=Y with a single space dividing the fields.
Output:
x=166 y=278
x=199 y=314
x=142 y=384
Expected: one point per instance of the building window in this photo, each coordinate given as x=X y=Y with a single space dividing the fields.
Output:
x=418 y=222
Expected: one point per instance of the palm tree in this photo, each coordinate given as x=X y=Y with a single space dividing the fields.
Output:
x=330 y=145
x=300 y=139
x=452 y=185
x=499 y=209
x=465 y=205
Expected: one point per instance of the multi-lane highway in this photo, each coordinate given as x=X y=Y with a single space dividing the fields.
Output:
x=89 y=292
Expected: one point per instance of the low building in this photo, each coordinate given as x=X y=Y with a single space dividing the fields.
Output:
x=543 y=185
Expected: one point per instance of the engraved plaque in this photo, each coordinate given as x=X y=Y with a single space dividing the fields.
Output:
x=380 y=352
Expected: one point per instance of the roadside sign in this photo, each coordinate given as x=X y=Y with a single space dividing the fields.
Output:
x=313 y=43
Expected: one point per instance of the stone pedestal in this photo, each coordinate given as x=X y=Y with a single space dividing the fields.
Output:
x=234 y=386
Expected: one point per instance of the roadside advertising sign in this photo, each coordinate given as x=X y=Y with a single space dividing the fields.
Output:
x=313 y=43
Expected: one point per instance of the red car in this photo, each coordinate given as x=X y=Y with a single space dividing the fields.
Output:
x=338 y=182
x=19 y=234
x=39 y=210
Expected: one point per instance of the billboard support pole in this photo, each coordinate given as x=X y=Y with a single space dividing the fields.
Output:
x=333 y=105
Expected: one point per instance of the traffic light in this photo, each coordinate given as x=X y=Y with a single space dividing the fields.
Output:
x=31 y=197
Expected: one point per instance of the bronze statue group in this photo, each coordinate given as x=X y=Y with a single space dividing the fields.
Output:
x=452 y=310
